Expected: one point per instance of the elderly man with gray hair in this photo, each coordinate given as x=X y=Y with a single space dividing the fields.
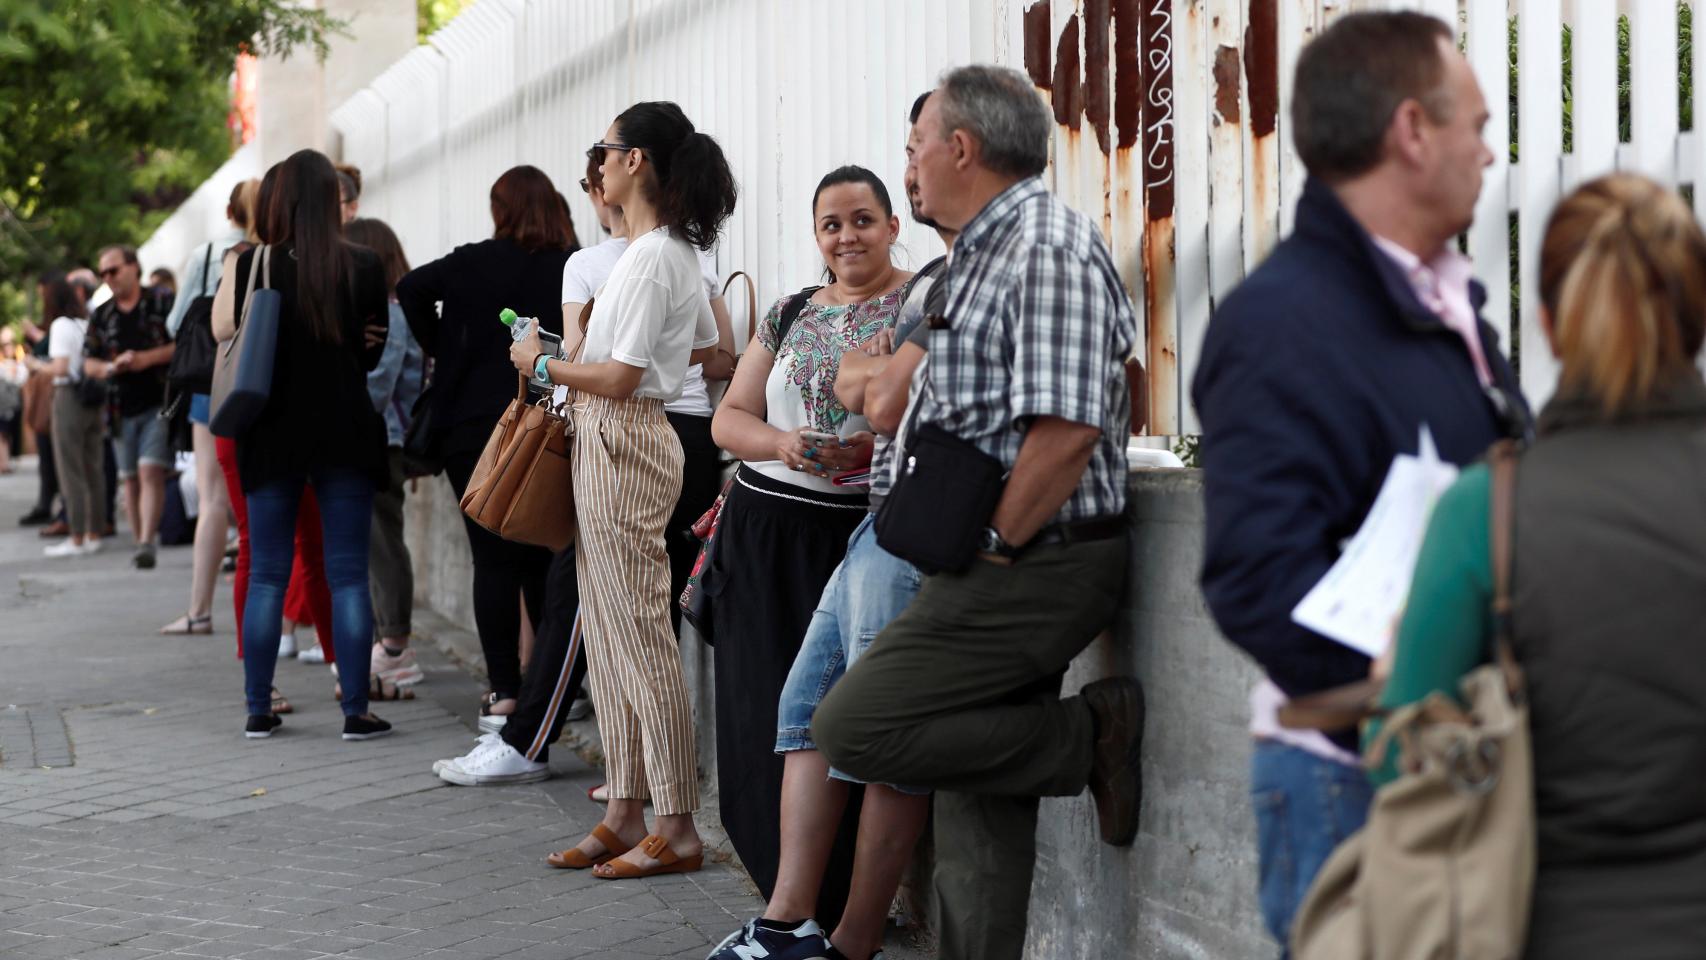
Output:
x=1024 y=405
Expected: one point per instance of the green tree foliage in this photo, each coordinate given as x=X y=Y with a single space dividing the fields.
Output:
x=434 y=14
x=112 y=110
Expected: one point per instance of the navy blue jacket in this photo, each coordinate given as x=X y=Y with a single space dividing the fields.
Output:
x=1316 y=371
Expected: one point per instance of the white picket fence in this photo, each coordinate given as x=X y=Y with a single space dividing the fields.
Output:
x=1172 y=126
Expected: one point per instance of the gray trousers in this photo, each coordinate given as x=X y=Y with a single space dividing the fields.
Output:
x=80 y=461
x=391 y=575
x=961 y=694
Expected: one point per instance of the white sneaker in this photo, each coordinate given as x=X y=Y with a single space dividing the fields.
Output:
x=492 y=762
x=438 y=765
x=287 y=645
x=401 y=670
x=90 y=547
x=311 y=654
x=64 y=548
x=580 y=708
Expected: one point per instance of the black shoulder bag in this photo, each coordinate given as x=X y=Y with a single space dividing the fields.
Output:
x=191 y=369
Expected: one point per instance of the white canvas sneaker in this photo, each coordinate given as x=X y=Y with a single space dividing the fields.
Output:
x=493 y=762
x=64 y=548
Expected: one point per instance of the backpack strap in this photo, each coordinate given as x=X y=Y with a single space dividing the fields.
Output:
x=791 y=311
x=1502 y=460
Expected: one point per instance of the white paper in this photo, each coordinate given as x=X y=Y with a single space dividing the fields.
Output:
x=1360 y=599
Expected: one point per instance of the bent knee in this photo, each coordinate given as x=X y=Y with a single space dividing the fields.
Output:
x=849 y=737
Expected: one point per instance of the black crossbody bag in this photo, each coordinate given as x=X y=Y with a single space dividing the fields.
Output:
x=943 y=497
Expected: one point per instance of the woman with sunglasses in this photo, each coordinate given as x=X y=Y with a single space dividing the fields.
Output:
x=650 y=321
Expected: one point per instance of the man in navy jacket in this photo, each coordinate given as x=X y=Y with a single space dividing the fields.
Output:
x=1360 y=329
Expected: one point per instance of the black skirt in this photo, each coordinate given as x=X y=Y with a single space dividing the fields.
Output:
x=778 y=546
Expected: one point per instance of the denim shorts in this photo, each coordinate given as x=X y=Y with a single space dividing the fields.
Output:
x=201 y=408
x=865 y=594
x=143 y=439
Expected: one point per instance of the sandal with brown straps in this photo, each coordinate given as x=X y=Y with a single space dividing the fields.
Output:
x=574 y=859
x=658 y=849
x=279 y=704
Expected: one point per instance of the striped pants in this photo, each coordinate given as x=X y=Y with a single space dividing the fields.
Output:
x=627 y=474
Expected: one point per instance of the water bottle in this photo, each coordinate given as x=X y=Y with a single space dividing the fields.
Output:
x=519 y=327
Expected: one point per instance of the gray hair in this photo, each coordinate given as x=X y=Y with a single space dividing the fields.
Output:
x=999 y=107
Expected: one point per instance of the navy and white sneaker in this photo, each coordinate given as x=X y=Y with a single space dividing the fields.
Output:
x=756 y=942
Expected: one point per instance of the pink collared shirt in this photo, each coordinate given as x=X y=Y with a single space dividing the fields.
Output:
x=1442 y=285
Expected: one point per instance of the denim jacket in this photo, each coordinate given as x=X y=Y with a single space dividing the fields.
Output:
x=396 y=383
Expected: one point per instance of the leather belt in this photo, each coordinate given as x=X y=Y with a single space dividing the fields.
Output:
x=1080 y=531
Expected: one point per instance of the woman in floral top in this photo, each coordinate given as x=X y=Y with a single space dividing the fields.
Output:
x=785 y=525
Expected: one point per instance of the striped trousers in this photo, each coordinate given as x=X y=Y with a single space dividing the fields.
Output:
x=627 y=474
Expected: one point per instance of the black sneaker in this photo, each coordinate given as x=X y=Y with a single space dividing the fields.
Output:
x=262 y=725
x=1116 y=764
x=365 y=728
x=145 y=557
x=804 y=942
x=35 y=518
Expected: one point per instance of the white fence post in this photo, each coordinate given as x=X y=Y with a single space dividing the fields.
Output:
x=1541 y=139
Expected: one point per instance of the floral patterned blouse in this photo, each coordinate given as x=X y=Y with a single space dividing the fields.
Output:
x=801 y=388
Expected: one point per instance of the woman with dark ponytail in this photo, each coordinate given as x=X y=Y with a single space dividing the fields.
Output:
x=650 y=321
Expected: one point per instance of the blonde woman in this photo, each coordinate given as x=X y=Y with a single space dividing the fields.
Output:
x=1609 y=582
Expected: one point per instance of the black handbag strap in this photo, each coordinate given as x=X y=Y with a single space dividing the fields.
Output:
x=791 y=311
x=206 y=262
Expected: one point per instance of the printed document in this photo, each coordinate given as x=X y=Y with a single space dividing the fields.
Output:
x=1359 y=601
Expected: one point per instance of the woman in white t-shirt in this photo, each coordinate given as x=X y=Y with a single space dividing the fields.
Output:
x=650 y=322
x=77 y=454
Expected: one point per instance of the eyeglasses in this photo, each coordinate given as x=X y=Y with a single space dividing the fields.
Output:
x=585 y=187
x=110 y=272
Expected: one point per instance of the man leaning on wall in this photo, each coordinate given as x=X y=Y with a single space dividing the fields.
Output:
x=1362 y=328
x=961 y=693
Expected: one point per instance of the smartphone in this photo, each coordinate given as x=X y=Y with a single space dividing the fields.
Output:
x=820 y=438
x=853 y=478
x=552 y=346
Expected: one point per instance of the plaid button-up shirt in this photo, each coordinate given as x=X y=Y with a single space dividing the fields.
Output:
x=1037 y=325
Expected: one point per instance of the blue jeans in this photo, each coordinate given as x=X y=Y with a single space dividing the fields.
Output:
x=1306 y=806
x=865 y=593
x=346 y=514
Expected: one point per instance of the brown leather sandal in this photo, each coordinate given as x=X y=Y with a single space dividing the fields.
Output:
x=573 y=859
x=658 y=849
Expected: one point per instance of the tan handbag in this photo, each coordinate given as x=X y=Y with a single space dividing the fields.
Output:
x=522 y=487
x=1444 y=869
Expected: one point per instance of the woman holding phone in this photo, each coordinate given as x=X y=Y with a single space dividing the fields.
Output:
x=650 y=321
x=786 y=523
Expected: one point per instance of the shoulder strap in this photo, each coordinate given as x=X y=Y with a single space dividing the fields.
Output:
x=791 y=311
x=1502 y=460
x=206 y=261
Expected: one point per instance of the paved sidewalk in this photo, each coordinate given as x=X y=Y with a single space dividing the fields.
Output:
x=136 y=822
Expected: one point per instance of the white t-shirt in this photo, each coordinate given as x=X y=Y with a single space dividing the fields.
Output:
x=585 y=274
x=65 y=339
x=652 y=313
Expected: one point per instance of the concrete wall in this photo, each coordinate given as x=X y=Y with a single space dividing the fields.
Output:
x=1187 y=887
x=298 y=94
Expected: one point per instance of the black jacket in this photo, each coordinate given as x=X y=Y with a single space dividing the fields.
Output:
x=1317 y=371
x=318 y=414
x=473 y=379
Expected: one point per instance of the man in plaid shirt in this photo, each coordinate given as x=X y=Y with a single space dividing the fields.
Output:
x=962 y=692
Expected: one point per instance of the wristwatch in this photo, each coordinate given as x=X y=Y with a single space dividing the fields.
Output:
x=991 y=542
x=539 y=369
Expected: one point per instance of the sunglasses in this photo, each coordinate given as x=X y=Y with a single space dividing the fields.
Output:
x=601 y=145
x=585 y=187
x=110 y=272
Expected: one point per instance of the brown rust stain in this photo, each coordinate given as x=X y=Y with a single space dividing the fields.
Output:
x=1097 y=96
x=1037 y=30
x=1068 y=85
x=1226 y=75
x=1128 y=75
x=1261 y=65
x=1162 y=362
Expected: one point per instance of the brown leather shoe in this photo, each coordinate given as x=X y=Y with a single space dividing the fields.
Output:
x=58 y=528
x=1116 y=765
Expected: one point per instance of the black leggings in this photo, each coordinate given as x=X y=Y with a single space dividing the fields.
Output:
x=500 y=569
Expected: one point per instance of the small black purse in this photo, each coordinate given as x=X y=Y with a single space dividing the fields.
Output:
x=942 y=499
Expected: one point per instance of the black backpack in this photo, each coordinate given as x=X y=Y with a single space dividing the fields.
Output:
x=191 y=370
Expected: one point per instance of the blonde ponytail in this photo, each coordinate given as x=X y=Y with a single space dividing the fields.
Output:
x=1623 y=274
